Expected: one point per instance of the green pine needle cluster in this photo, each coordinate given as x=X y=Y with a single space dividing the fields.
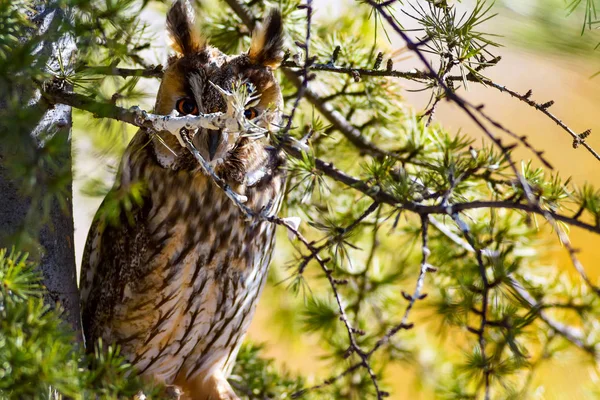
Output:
x=40 y=357
x=431 y=259
x=254 y=377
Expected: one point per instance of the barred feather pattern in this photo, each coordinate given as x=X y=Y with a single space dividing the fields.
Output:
x=177 y=288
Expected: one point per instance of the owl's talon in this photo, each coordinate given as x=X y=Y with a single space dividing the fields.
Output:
x=173 y=392
x=139 y=396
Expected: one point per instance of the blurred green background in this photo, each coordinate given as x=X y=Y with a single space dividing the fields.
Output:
x=544 y=50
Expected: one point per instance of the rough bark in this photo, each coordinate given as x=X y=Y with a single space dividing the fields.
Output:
x=57 y=255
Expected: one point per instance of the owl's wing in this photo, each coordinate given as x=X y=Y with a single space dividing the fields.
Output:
x=113 y=255
x=89 y=262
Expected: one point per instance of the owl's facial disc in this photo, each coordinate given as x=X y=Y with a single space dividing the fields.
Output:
x=189 y=87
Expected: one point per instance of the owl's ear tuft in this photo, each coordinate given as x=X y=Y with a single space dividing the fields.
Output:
x=180 y=26
x=267 y=41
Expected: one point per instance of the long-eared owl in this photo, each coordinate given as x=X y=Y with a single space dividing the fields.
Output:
x=176 y=279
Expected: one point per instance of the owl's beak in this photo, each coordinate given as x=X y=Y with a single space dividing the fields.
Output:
x=214 y=139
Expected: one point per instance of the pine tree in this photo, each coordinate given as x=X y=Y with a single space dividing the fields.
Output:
x=397 y=227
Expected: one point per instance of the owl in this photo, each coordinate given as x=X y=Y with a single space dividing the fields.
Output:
x=176 y=279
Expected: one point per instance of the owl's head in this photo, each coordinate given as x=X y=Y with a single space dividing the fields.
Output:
x=186 y=85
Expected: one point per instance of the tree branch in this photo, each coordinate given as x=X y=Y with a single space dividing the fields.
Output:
x=474 y=113
x=151 y=121
x=578 y=139
x=152 y=72
x=340 y=123
x=358 y=72
x=571 y=334
x=54 y=94
x=160 y=122
x=344 y=126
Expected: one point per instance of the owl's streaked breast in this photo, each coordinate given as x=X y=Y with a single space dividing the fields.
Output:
x=186 y=306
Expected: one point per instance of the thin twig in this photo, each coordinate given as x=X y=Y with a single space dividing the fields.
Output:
x=339 y=235
x=54 y=94
x=473 y=113
x=146 y=120
x=485 y=291
x=358 y=72
x=305 y=68
x=526 y=98
x=152 y=72
x=416 y=75
x=353 y=134
x=573 y=335
x=418 y=292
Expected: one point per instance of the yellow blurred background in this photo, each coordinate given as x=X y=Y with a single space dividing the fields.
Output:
x=564 y=79
x=552 y=75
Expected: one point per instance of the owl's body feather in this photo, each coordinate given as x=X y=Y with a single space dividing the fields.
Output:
x=176 y=281
x=178 y=288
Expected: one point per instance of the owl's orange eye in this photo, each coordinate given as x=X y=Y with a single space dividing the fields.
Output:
x=250 y=113
x=187 y=106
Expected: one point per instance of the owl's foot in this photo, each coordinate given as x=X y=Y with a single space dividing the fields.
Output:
x=214 y=387
x=173 y=392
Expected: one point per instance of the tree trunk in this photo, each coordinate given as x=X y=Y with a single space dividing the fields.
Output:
x=56 y=256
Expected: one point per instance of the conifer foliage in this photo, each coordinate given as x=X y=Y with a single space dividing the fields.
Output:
x=407 y=233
